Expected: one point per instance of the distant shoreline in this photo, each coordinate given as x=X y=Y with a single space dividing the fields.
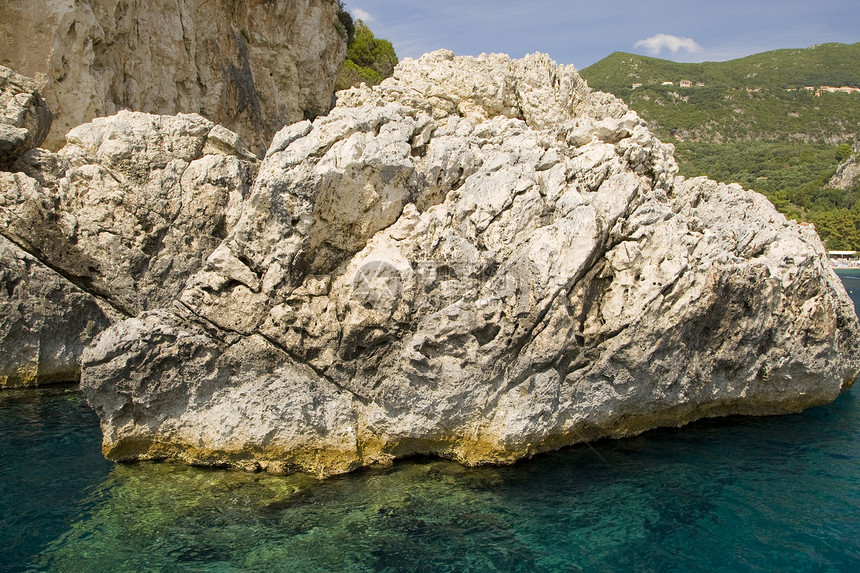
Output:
x=845 y=265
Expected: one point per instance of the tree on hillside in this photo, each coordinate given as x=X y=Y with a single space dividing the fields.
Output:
x=758 y=121
x=368 y=59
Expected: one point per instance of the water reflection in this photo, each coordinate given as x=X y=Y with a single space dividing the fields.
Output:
x=51 y=459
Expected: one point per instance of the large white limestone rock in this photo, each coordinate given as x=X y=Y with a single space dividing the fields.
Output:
x=480 y=259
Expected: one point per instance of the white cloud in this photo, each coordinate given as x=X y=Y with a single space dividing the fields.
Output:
x=656 y=44
x=362 y=15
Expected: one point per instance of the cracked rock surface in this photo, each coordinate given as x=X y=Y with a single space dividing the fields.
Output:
x=111 y=225
x=480 y=259
x=250 y=65
x=24 y=117
x=45 y=321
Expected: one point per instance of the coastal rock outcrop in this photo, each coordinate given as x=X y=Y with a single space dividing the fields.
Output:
x=481 y=259
x=250 y=65
x=111 y=225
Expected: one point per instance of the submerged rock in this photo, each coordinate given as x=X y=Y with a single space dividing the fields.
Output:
x=480 y=259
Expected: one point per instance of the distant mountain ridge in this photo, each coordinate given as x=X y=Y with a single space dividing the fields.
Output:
x=763 y=97
x=823 y=64
x=767 y=121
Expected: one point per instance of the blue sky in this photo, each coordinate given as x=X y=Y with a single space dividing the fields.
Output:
x=582 y=32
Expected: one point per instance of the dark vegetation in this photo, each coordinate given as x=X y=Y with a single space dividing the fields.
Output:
x=793 y=176
x=369 y=59
x=755 y=122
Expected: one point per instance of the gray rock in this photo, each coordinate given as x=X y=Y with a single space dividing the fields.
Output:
x=127 y=211
x=24 y=117
x=251 y=66
x=480 y=259
x=45 y=321
x=847 y=174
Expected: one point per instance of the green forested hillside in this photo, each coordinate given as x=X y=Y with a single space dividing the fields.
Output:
x=825 y=64
x=754 y=121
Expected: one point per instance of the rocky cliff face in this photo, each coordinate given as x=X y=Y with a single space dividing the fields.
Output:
x=251 y=65
x=45 y=321
x=24 y=117
x=847 y=175
x=480 y=259
x=108 y=227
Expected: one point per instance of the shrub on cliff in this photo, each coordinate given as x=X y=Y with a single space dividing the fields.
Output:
x=368 y=59
x=345 y=25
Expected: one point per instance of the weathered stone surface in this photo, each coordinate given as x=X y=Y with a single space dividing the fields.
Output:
x=480 y=259
x=251 y=65
x=24 y=117
x=126 y=211
x=847 y=175
x=45 y=321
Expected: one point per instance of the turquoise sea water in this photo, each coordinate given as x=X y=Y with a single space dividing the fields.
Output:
x=741 y=494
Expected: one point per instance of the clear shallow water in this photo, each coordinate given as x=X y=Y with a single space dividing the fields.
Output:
x=744 y=494
x=50 y=462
